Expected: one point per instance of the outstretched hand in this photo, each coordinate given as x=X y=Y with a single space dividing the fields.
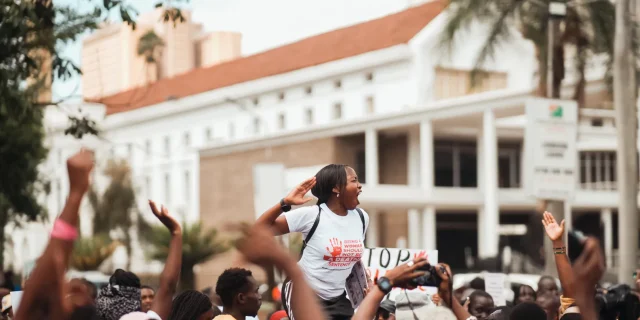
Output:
x=79 y=167
x=297 y=195
x=163 y=215
x=554 y=230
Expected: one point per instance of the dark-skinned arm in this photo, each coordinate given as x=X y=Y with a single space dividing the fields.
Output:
x=444 y=291
x=555 y=232
x=171 y=273
x=273 y=218
x=44 y=290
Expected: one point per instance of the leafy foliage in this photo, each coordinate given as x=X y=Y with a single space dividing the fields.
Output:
x=114 y=209
x=198 y=246
x=149 y=46
x=588 y=29
x=89 y=253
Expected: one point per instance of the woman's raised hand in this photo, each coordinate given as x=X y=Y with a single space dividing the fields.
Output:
x=163 y=215
x=297 y=195
x=551 y=226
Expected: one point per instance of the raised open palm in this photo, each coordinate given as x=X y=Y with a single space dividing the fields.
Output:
x=163 y=215
x=551 y=226
x=297 y=195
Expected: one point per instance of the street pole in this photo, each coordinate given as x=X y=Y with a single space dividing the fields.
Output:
x=624 y=98
x=557 y=11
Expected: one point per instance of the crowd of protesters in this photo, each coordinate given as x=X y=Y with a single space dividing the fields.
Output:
x=315 y=285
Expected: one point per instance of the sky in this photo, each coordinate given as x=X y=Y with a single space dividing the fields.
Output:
x=264 y=24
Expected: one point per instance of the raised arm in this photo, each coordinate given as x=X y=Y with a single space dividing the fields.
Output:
x=444 y=291
x=171 y=272
x=45 y=288
x=588 y=270
x=272 y=217
x=259 y=247
x=555 y=232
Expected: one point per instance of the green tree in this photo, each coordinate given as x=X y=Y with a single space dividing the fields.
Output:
x=150 y=47
x=114 y=210
x=89 y=253
x=198 y=246
x=32 y=34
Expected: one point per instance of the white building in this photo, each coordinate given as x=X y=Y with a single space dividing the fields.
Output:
x=379 y=96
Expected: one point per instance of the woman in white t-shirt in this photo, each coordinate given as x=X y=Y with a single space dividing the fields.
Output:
x=333 y=230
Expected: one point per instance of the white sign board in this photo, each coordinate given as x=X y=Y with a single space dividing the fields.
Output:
x=16 y=298
x=494 y=285
x=379 y=260
x=551 y=134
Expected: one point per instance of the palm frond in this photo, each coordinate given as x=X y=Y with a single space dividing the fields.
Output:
x=198 y=244
x=89 y=253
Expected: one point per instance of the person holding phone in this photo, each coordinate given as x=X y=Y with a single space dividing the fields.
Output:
x=334 y=231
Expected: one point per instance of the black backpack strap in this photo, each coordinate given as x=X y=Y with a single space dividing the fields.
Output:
x=311 y=232
x=364 y=227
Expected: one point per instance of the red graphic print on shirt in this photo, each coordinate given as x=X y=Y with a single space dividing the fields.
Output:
x=343 y=253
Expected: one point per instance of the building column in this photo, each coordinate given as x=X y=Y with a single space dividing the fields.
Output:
x=426 y=156
x=607 y=220
x=373 y=232
x=568 y=218
x=429 y=228
x=413 y=223
x=489 y=218
x=480 y=160
x=371 y=156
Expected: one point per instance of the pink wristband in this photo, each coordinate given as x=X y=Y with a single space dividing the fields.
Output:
x=64 y=231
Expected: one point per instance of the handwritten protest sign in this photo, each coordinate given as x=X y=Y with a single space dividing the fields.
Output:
x=357 y=282
x=379 y=260
x=494 y=285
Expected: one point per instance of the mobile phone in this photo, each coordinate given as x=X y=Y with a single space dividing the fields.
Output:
x=575 y=244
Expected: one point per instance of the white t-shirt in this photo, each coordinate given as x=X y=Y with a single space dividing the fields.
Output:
x=336 y=245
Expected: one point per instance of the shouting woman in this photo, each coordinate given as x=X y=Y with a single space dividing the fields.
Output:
x=333 y=230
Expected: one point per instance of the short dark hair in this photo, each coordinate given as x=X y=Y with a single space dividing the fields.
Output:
x=232 y=282
x=326 y=179
x=190 y=305
x=148 y=287
x=528 y=311
x=125 y=279
x=479 y=293
x=477 y=283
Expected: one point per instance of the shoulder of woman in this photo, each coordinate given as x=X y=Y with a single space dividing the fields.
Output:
x=305 y=210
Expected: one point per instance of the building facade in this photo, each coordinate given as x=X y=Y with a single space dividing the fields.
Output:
x=442 y=162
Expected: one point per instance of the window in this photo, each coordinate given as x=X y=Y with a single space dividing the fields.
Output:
x=338 y=84
x=167 y=145
x=59 y=196
x=187 y=140
x=371 y=108
x=256 y=125
x=369 y=76
x=256 y=101
x=337 y=111
x=281 y=121
x=361 y=166
x=187 y=187
x=147 y=186
x=308 y=90
x=308 y=116
x=596 y=122
x=130 y=151
x=281 y=96
x=208 y=134
x=167 y=188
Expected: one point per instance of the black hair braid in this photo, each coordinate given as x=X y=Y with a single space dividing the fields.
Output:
x=326 y=179
x=189 y=305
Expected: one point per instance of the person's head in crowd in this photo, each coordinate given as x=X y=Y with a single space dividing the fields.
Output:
x=213 y=296
x=550 y=303
x=279 y=315
x=191 y=305
x=147 y=294
x=480 y=304
x=238 y=291
x=458 y=293
x=547 y=284
x=527 y=311
x=7 y=310
x=477 y=284
x=92 y=289
x=386 y=310
x=337 y=182
x=120 y=297
x=525 y=293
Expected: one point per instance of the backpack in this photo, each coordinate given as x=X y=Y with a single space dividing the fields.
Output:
x=317 y=222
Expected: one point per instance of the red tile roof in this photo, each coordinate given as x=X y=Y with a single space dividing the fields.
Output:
x=342 y=43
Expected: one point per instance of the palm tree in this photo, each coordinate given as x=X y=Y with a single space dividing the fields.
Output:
x=588 y=31
x=198 y=246
x=89 y=253
x=114 y=209
x=150 y=47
